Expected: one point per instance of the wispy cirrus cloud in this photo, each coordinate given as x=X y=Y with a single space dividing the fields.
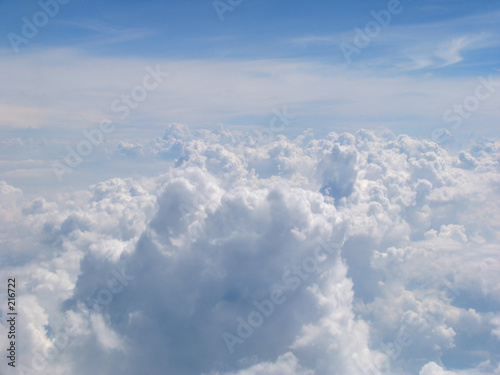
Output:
x=203 y=92
x=424 y=45
x=102 y=33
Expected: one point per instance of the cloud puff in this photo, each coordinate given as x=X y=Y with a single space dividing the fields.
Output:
x=9 y=195
x=359 y=253
x=433 y=369
x=284 y=365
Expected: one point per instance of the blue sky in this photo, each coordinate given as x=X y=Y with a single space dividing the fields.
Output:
x=236 y=72
x=444 y=43
x=254 y=29
x=210 y=157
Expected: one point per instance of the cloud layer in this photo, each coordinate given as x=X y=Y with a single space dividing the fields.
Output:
x=359 y=253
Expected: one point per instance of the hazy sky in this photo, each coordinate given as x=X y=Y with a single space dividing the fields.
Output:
x=247 y=187
x=234 y=64
x=336 y=66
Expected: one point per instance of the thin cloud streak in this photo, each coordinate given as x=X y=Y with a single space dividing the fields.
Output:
x=204 y=92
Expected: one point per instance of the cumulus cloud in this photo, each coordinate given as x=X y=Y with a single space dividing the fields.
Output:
x=9 y=195
x=363 y=253
x=433 y=369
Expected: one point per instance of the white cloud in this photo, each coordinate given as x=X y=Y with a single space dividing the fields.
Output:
x=9 y=195
x=434 y=369
x=284 y=365
x=205 y=92
x=153 y=271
